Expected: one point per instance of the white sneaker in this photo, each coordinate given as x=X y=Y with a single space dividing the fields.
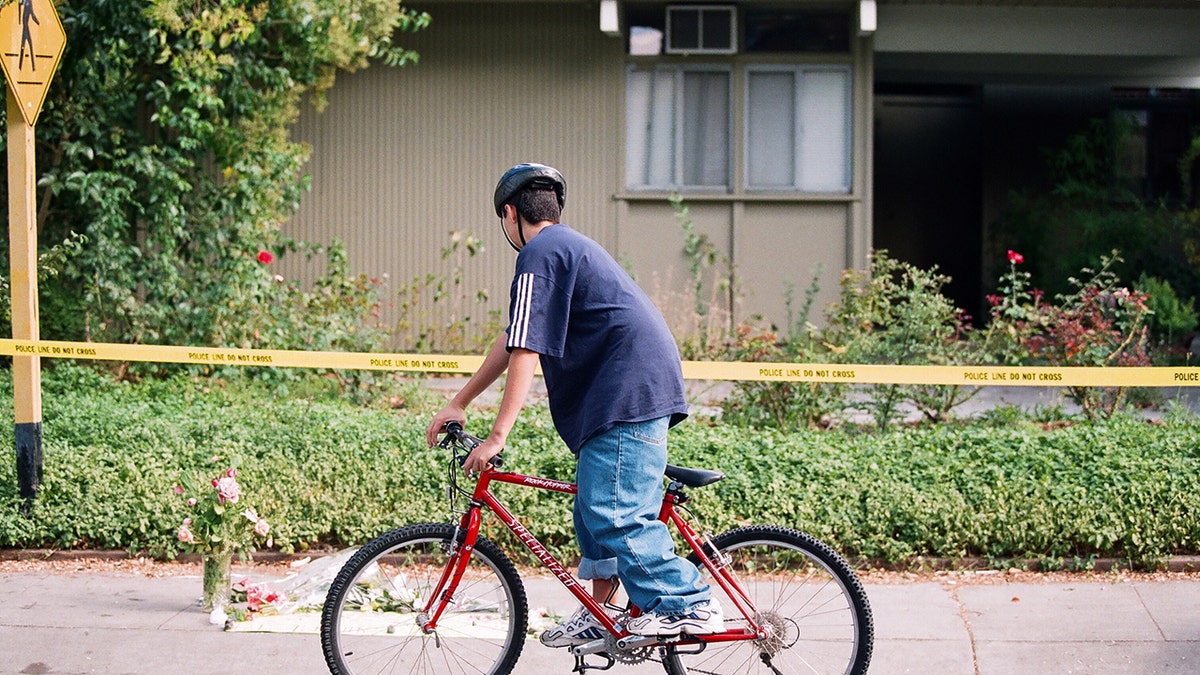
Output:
x=581 y=628
x=702 y=620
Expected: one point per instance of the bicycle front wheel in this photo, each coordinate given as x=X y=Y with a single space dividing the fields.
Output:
x=810 y=602
x=371 y=622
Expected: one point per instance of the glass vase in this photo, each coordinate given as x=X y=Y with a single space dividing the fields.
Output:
x=216 y=580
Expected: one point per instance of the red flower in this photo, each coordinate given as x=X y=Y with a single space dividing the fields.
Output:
x=266 y=257
x=1013 y=257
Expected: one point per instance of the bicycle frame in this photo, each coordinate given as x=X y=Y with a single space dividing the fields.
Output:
x=482 y=496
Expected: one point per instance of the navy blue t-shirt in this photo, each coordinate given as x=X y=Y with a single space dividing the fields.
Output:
x=605 y=350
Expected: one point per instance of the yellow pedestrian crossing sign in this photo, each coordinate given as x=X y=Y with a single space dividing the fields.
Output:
x=31 y=43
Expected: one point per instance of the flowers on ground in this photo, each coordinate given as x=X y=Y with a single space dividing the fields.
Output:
x=258 y=597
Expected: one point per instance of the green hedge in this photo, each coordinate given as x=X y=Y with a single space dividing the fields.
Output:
x=326 y=473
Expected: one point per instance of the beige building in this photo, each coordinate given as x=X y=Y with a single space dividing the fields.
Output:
x=799 y=134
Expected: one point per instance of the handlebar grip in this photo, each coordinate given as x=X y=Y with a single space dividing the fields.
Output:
x=454 y=432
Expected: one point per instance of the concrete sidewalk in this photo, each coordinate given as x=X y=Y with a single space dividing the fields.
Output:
x=56 y=621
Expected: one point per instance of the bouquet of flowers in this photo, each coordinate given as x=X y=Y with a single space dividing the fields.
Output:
x=219 y=525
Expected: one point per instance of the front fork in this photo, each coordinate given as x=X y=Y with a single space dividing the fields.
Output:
x=462 y=543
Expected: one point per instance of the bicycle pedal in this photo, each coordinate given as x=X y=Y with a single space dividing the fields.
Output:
x=583 y=666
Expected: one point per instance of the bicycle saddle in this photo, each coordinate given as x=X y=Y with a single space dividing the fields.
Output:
x=693 y=478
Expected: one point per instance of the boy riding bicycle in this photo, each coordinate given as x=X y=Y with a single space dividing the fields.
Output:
x=615 y=386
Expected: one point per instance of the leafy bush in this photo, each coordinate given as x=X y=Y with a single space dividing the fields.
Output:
x=1170 y=318
x=699 y=308
x=1101 y=323
x=1091 y=207
x=326 y=473
x=782 y=404
x=462 y=331
x=895 y=313
x=168 y=150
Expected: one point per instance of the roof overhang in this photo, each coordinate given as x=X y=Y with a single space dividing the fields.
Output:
x=1006 y=42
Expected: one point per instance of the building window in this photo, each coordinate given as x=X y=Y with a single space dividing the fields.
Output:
x=798 y=128
x=792 y=126
x=701 y=29
x=795 y=31
x=677 y=127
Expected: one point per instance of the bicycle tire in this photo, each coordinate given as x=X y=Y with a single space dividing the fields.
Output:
x=369 y=621
x=809 y=596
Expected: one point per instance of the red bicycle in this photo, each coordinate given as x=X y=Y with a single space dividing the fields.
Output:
x=440 y=598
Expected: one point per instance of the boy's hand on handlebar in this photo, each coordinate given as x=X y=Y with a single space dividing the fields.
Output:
x=451 y=413
x=478 y=460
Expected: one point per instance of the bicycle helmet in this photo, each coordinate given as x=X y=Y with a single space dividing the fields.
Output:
x=537 y=176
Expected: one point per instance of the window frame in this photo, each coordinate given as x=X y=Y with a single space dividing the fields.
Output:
x=734 y=34
x=679 y=70
x=798 y=70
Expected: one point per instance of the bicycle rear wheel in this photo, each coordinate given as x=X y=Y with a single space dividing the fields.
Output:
x=812 y=604
x=369 y=624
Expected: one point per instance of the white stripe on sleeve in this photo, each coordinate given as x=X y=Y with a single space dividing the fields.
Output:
x=518 y=333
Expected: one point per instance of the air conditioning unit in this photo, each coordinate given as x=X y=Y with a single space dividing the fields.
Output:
x=701 y=29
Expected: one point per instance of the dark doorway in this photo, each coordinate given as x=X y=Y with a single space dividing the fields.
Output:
x=928 y=184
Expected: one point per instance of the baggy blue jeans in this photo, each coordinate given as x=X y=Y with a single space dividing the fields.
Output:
x=620 y=475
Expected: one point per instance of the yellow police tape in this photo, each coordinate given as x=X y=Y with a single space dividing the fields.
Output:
x=692 y=370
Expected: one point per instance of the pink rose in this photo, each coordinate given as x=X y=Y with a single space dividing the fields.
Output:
x=257 y=596
x=266 y=257
x=191 y=501
x=261 y=528
x=228 y=489
x=185 y=535
x=1015 y=258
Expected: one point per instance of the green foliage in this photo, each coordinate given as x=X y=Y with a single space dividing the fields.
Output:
x=460 y=330
x=782 y=404
x=165 y=144
x=327 y=473
x=49 y=265
x=1170 y=317
x=710 y=282
x=895 y=313
x=1017 y=314
x=1100 y=323
x=1089 y=210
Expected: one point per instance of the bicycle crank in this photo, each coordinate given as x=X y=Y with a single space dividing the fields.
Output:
x=629 y=655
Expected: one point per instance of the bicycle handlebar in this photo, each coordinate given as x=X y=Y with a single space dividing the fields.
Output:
x=455 y=435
